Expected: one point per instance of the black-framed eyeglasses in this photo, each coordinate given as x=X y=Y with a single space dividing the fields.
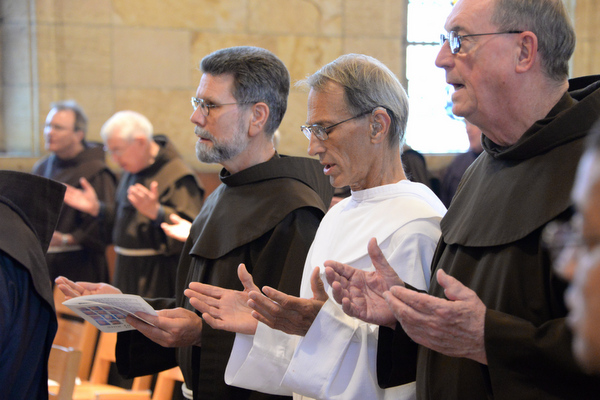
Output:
x=454 y=39
x=205 y=107
x=321 y=132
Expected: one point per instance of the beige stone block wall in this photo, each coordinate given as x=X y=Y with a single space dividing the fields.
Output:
x=143 y=55
x=586 y=60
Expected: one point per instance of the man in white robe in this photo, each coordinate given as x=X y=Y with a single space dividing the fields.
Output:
x=307 y=346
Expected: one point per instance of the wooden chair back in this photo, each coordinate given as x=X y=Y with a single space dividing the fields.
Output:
x=75 y=332
x=137 y=395
x=165 y=383
x=63 y=365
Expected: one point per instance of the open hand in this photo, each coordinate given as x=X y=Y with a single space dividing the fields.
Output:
x=360 y=292
x=145 y=200
x=179 y=229
x=453 y=327
x=290 y=314
x=75 y=289
x=225 y=309
x=84 y=199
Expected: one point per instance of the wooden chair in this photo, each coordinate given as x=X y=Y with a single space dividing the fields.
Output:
x=165 y=383
x=73 y=331
x=62 y=369
x=137 y=395
x=105 y=355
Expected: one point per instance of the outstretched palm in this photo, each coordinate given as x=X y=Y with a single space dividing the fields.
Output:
x=361 y=293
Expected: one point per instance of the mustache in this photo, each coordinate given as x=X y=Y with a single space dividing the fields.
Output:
x=201 y=133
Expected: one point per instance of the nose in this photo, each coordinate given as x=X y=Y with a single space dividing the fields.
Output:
x=315 y=146
x=198 y=118
x=444 y=57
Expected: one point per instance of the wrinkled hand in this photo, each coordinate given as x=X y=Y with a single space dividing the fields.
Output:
x=179 y=229
x=360 y=292
x=176 y=327
x=225 y=309
x=84 y=199
x=289 y=314
x=75 y=289
x=453 y=327
x=145 y=200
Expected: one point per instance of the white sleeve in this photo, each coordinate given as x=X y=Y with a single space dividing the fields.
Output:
x=337 y=359
x=258 y=362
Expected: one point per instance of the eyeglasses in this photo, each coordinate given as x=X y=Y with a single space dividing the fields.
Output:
x=321 y=132
x=560 y=235
x=55 y=127
x=455 y=39
x=118 y=152
x=205 y=108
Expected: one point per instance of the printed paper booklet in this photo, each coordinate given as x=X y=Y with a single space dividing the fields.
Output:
x=107 y=312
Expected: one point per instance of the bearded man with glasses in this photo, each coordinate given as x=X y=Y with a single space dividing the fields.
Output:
x=264 y=214
x=493 y=323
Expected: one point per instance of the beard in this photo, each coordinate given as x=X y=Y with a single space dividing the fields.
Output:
x=221 y=150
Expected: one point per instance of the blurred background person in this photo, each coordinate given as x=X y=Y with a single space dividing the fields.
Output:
x=579 y=260
x=156 y=184
x=78 y=246
x=460 y=163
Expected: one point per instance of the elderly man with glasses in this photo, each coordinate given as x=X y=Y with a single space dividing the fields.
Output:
x=264 y=214
x=493 y=323
x=357 y=113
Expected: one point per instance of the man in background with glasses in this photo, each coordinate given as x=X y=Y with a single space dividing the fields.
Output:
x=78 y=246
x=357 y=114
x=265 y=215
x=493 y=323
x=579 y=260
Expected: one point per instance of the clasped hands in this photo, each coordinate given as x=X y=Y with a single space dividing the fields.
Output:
x=240 y=311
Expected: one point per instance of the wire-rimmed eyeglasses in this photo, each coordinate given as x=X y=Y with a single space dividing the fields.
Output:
x=321 y=132
x=454 y=39
x=205 y=107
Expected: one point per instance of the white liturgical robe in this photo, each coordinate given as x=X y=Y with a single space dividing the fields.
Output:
x=337 y=357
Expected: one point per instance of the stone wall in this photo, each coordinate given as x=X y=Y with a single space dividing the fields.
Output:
x=143 y=55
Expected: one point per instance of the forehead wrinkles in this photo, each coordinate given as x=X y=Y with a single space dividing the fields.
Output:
x=470 y=16
x=327 y=104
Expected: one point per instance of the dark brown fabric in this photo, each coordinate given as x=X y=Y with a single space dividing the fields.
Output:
x=89 y=264
x=179 y=192
x=491 y=243
x=275 y=204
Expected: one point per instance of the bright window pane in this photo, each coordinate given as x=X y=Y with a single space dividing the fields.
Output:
x=432 y=128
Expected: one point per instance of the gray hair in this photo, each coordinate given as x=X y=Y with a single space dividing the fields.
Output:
x=258 y=76
x=367 y=84
x=549 y=20
x=127 y=125
x=81 y=120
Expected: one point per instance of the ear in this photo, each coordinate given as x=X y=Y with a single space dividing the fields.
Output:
x=80 y=135
x=380 y=125
x=528 y=51
x=258 y=118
